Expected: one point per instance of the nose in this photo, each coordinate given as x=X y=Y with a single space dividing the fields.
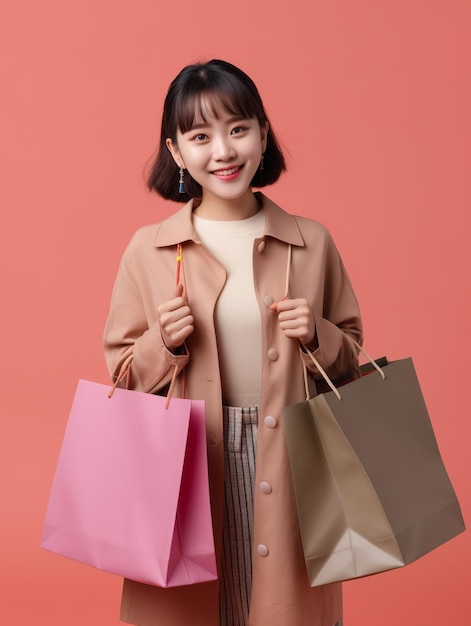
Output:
x=223 y=149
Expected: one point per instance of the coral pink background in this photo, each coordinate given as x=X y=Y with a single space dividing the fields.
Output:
x=371 y=99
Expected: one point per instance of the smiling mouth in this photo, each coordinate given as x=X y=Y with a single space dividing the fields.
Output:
x=227 y=172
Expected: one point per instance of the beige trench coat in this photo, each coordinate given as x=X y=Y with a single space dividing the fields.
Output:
x=281 y=595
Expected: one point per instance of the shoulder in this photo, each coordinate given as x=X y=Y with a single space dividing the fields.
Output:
x=285 y=224
x=291 y=228
x=318 y=241
x=311 y=227
x=174 y=229
x=141 y=243
x=145 y=235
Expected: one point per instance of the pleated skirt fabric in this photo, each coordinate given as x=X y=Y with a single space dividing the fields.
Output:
x=240 y=439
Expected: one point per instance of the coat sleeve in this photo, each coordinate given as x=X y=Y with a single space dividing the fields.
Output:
x=337 y=321
x=132 y=329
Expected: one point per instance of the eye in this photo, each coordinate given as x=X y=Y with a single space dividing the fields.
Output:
x=200 y=137
x=238 y=130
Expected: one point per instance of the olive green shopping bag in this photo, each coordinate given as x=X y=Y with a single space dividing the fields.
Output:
x=371 y=488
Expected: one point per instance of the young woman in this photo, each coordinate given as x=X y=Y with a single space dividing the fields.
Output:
x=257 y=289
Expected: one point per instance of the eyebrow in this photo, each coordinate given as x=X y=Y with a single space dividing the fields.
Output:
x=231 y=120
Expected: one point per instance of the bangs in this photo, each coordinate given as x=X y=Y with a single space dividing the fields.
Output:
x=198 y=104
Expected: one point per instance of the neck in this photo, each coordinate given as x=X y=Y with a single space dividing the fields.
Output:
x=221 y=209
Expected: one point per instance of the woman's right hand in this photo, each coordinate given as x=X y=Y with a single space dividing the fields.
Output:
x=176 y=320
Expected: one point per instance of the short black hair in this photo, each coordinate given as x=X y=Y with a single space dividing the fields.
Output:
x=221 y=84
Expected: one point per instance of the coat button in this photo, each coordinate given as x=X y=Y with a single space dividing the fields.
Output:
x=261 y=246
x=270 y=422
x=262 y=549
x=265 y=487
x=268 y=301
x=272 y=354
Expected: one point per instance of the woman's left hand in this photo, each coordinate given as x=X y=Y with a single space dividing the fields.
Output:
x=296 y=319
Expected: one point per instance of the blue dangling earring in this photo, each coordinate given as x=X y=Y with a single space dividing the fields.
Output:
x=181 y=182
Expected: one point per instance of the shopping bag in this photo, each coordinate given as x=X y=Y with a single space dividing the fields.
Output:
x=371 y=489
x=130 y=494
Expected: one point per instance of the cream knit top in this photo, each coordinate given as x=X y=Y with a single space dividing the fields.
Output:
x=237 y=314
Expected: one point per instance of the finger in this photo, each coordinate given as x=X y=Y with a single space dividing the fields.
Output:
x=278 y=306
x=286 y=304
x=176 y=302
x=179 y=335
x=170 y=316
x=178 y=291
x=294 y=322
x=300 y=315
x=300 y=312
x=179 y=338
x=177 y=325
x=300 y=328
x=296 y=333
x=177 y=296
x=175 y=333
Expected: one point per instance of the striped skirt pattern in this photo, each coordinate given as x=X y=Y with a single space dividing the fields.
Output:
x=240 y=443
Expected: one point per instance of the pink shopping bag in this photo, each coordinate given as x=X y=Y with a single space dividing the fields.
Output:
x=130 y=495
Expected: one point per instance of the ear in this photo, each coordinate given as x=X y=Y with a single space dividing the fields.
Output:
x=175 y=152
x=264 y=135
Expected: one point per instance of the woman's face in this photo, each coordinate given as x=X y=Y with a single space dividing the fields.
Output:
x=222 y=153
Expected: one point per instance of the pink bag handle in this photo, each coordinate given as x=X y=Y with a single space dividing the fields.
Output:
x=179 y=278
x=126 y=366
x=124 y=371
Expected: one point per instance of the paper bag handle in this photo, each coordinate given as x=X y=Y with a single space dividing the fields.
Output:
x=324 y=374
x=124 y=371
x=126 y=366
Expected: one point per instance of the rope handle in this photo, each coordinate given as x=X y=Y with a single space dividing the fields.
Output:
x=180 y=271
x=124 y=371
x=325 y=376
x=179 y=278
x=126 y=366
x=300 y=345
x=311 y=356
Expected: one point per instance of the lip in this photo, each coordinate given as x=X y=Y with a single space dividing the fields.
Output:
x=228 y=173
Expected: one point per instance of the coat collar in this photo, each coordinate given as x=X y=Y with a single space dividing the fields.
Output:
x=179 y=227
